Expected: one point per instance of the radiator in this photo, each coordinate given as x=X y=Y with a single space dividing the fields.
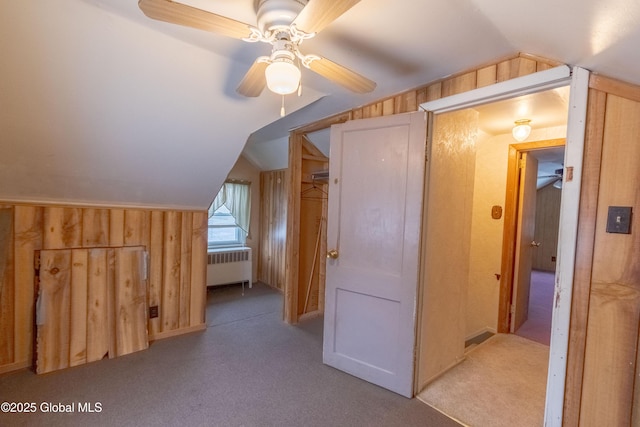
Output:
x=230 y=265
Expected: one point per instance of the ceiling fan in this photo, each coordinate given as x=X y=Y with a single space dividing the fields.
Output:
x=557 y=182
x=284 y=24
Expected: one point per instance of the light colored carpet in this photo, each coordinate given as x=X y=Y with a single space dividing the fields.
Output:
x=501 y=382
x=248 y=368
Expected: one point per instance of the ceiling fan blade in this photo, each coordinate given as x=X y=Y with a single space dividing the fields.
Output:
x=254 y=81
x=181 y=14
x=317 y=14
x=342 y=75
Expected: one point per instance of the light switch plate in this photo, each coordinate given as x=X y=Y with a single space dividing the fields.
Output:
x=619 y=220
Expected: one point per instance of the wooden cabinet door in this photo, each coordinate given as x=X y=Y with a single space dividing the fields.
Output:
x=91 y=304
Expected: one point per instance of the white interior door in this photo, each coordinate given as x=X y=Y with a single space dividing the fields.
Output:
x=376 y=183
x=525 y=243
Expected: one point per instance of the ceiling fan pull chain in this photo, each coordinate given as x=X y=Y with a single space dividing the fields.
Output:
x=282 y=113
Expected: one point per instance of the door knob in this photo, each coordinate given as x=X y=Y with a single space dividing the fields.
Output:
x=534 y=243
x=333 y=254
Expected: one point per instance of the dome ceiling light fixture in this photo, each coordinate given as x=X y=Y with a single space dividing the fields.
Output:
x=521 y=130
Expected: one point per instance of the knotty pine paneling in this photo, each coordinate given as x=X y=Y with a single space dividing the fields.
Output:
x=273 y=225
x=409 y=101
x=176 y=242
x=7 y=287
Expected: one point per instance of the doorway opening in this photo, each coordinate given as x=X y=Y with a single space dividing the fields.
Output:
x=468 y=298
x=536 y=211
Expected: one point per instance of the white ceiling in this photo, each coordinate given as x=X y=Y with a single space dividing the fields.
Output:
x=101 y=104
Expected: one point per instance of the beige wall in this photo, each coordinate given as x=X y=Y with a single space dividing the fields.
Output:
x=446 y=236
x=244 y=170
x=486 y=232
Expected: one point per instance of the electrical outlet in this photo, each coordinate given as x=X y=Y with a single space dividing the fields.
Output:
x=153 y=312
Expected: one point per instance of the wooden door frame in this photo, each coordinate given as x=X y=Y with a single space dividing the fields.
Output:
x=293 y=177
x=510 y=229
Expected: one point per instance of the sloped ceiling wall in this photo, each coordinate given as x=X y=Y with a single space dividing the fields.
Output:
x=97 y=109
x=100 y=104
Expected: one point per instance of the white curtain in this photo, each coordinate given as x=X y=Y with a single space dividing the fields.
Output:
x=235 y=196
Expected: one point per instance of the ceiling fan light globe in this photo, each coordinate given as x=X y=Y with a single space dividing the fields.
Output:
x=283 y=77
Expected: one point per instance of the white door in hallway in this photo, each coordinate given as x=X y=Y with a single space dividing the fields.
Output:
x=525 y=243
x=376 y=183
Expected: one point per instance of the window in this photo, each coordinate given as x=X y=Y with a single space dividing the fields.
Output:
x=223 y=230
x=229 y=215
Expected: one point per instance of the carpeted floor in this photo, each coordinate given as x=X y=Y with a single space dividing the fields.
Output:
x=501 y=383
x=538 y=324
x=248 y=369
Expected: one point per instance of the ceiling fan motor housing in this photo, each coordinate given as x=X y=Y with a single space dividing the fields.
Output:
x=278 y=13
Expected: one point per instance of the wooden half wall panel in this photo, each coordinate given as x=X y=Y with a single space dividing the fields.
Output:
x=175 y=240
x=7 y=287
x=130 y=300
x=91 y=303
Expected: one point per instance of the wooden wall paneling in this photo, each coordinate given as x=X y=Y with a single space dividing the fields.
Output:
x=615 y=87
x=609 y=367
x=265 y=231
x=516 y=67
x=272 y=228
x=635 y=404
x=292 y=258
x=310 y=220
x=7 y=287
x=372 y=110
x=95 y=227
x=98 y=338
x=185 y=269
x=198 y=268
x=459 y=84
x=434 y=91
x=170 y=313
x=62 y=228
x=265 y=238
x=111 y=304
x=37 y=228
x=156 y=268
x=54 y=311
x=388 y=106
x=614 y=310
x=487 y=76
x=407 y=102
x=116 y=227
x=28 y=231
x=130 y=301
x=421 y=96
x=78 y=307
x=584 y=255
x=137 y=228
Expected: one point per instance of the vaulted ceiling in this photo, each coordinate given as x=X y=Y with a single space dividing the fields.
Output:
x=100 y=104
